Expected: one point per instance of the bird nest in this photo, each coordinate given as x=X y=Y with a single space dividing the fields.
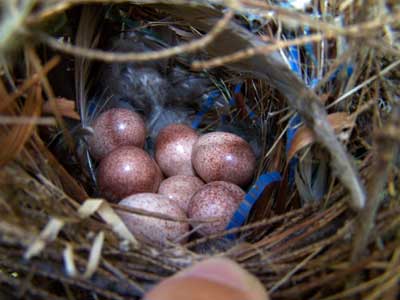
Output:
x=314 y=84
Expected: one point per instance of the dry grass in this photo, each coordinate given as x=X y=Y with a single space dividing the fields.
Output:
x=57 y=243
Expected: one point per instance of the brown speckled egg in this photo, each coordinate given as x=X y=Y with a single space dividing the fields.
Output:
x=222 y=156
x=114 y=128
x=180 y=189
x=174 y=149
x=154 y=230
x=125 y=171
x=213 y=201
x=236 y=190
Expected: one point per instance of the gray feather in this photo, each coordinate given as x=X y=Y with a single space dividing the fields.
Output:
x=270 y=67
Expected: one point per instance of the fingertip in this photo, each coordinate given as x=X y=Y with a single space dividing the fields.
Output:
x=215 y=278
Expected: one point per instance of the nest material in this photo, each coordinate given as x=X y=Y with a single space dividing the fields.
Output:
x=57 y=244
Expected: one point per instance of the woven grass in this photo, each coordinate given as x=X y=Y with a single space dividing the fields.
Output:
x=56 y=242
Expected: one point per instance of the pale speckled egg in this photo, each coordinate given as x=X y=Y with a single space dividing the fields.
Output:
x=115 y=128
x=180 y=189
x=214 y=201
x=173 y=151
x=150 y=229
x=125 y=171
x=236 y=190
x=223 y=156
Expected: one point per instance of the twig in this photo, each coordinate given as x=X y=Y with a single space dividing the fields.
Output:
x=146 y=213
x=37 y=65
x=14 y=13
x=365 y=83
x=294 y=270
x=353 y=31
x=67 y=108
x=146 y=56
x=28 y=83
x=32 y=289
x=291 y=16
x=333 y=278
x=263 y=223
x=22 y=120
x=386 y=144
x=365 y=285
x=61 y=6
x=247 y=53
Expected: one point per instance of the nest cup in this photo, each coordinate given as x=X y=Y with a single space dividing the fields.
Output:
x=319 y=219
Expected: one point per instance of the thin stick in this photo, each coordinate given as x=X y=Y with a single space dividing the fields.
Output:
x=294 y=270
x=291 y=16
x=353 y=31
x=247 y=53
x=365 y=83
x=23 y=120
x=156 y=215
x=132 y=56
x=28 y=83
x=37 y=65
x=386 y=152
x=51 y=10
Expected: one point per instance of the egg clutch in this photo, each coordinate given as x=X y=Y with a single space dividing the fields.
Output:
x=196 y=176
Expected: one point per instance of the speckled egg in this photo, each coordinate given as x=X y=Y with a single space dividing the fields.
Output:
x=125 y=171
x=180 y=189
x=114 y=128
x=213 y=201
x=150 y=229
x=174 y=149
x=223 y=156
x=237 y=191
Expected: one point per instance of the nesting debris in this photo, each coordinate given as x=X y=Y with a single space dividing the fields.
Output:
x=290 y=79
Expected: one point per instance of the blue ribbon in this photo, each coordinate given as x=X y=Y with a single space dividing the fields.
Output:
x=210 y=101
x=241 y=214
x=294 y=60
x=206 y=106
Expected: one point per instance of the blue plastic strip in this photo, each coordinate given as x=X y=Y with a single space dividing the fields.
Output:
x=238 y=88
x=241 y=214
x=209 y=103
x=349 y=71
x=294 y=60
x=92 y=108
x=236 y=91
x=206 y=106
x=251 y=113
x=314 y=82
